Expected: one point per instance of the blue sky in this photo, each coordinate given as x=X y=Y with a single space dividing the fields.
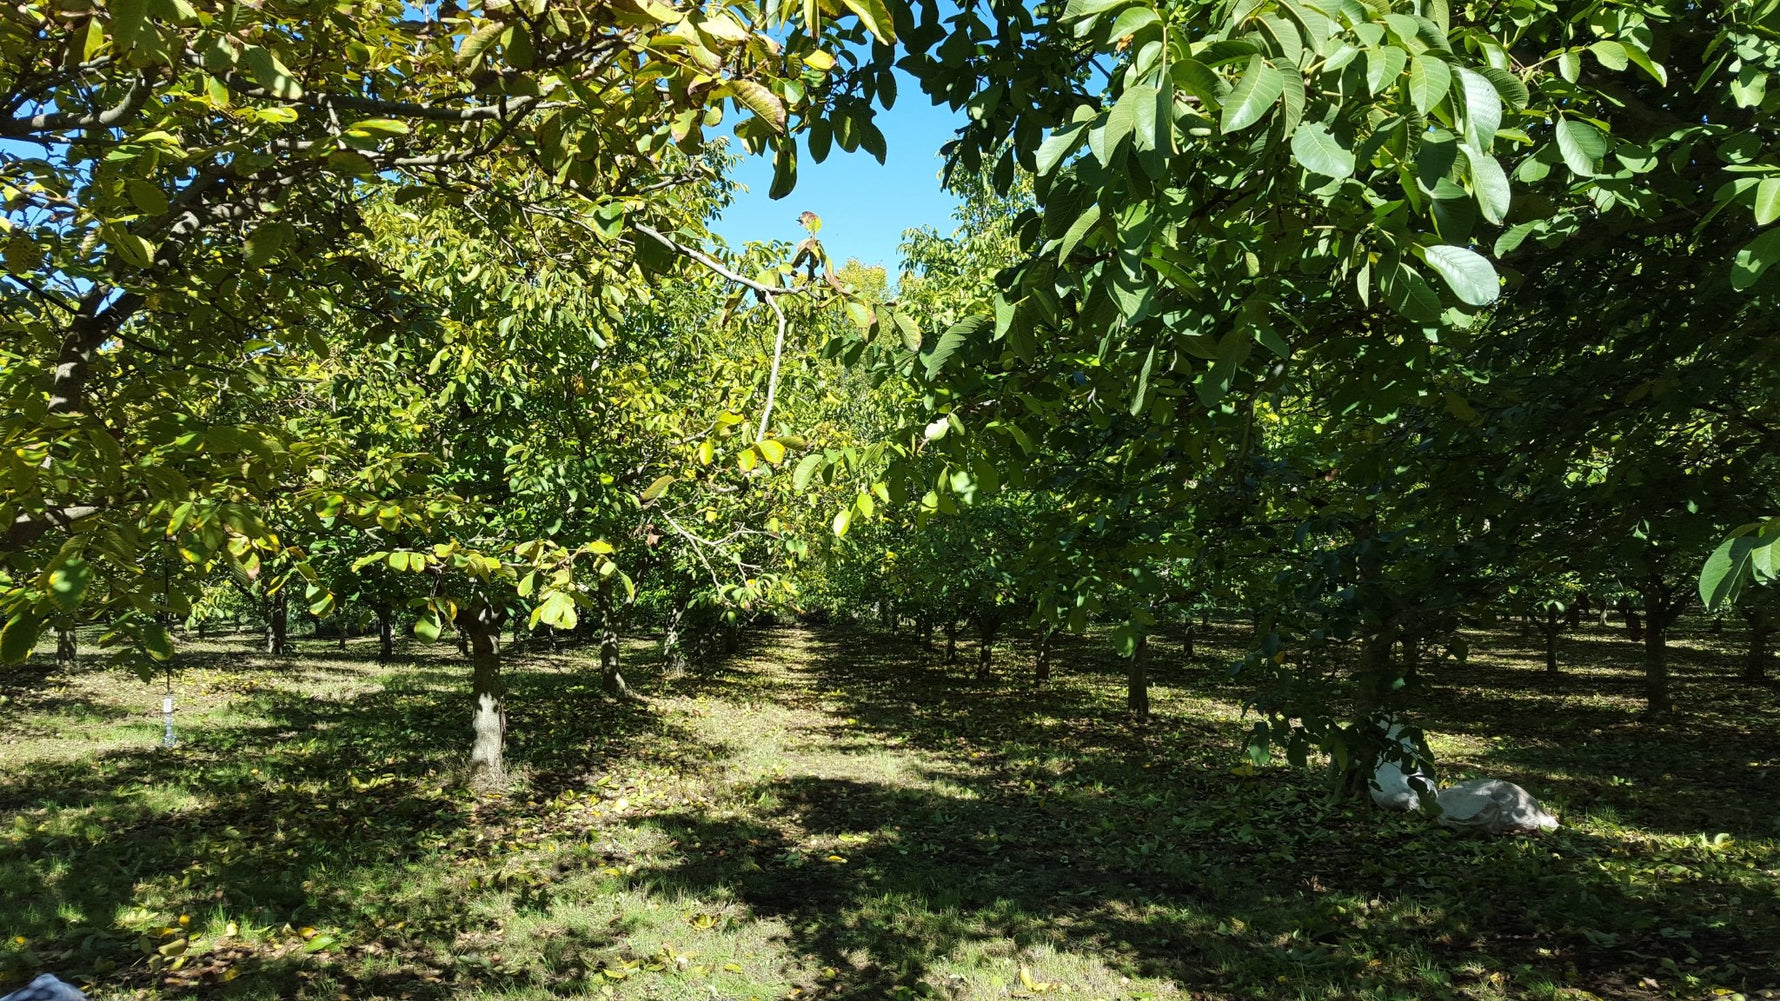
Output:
x=864 y=207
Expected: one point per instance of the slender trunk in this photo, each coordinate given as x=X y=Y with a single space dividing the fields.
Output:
x=386 y=634
x=892 y=617
x=1601 y=615
x=926 y=627
x=1755 y=665
x=488 y=720
x=951 y=641
x=1656 y=652
x=673 y=652
x=986 y=629
x=1041 y=656
x=1550 y=629
x=610 y=679
x=1186 y=641
x=341 y=623
x=463 y=641
x=1137 y=679
x=67 y=647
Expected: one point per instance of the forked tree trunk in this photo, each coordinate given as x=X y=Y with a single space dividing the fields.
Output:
x=1137 y=679
x=488 y=720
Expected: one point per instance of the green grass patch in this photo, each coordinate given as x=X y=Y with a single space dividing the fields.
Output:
x=833 y=813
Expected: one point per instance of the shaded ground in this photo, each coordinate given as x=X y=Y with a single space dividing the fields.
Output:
x=834 y=814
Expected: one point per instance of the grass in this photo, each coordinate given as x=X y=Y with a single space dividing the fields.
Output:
x=832 y=814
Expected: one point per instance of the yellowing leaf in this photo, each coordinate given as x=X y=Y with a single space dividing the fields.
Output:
x=771 y=450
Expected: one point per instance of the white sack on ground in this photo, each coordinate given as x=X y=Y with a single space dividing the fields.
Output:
x=1493 y=806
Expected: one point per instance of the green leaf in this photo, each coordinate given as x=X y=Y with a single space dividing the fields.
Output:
x=470 y=52
x=128 y=19
x=68 y=582
x=1731 y=566
x=1489 y=182
x=19 y=637
x=1409 y=293
x=654 y=490
x=1383 y=67
x=1483 y=107
x=1253 y=96
x=1755 y=258
x=1469 y=274
x=1429 y=78
x=806 y=468
x=761 y=101
x=264 y=68
x=842 y=521
x=1580 y=144
x=428 y=627
x=1053 y=150
x=1610 y=54
x=876 y=17
x=266 y=243
x=949 y=342
x=1320 y=153
x=784 y=171
x=157 y=642
x=1141 y=397
x=1767 y=201
x=1078 y=229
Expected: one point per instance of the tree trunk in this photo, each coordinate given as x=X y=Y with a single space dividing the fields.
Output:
x=951 y=641
x=1550 y=629
x=1137 y=679
x=610 y=679
x=926 y=627
x=986 y=629
x=67 y=647
x=1041 y=656
x=488 y=720
x=1186 y=641
x=1373 y=670
x=386 y=634
x=1601 y=615
x=1755 y=665
x=673 y=652
x=1656 y=652
x=278 y=625
x=892 y=618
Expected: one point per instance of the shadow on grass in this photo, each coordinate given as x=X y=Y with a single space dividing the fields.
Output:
x=305 y=803
x=1069 y=829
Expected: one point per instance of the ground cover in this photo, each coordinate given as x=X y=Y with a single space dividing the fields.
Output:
x=833 y=813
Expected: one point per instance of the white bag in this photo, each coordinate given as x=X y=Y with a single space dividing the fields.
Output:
x=1391 y=787
x=1494 y=807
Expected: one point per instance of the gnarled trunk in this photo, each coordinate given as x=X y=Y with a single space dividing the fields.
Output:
x=488 y=719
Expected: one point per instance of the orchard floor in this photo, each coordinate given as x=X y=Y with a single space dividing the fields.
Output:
x=831 y=814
